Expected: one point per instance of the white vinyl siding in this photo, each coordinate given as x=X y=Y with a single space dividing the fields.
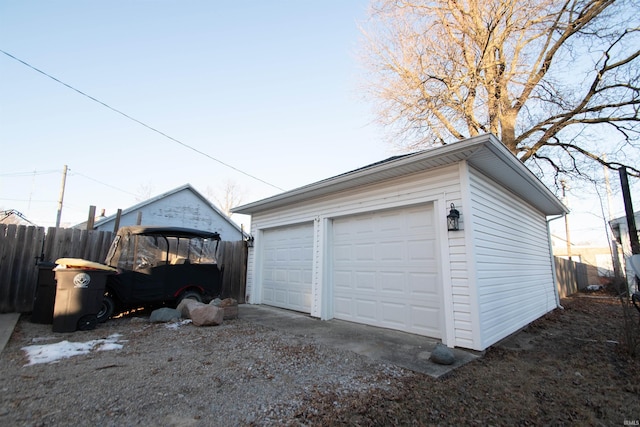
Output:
x=386 y=270
x=512 y=260
x=287 y=267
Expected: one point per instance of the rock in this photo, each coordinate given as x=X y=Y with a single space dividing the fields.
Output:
x=164 y=314
x=229 y=305
x=186 y=306
x=442 y=355
x=228 y=302
x=207 y=315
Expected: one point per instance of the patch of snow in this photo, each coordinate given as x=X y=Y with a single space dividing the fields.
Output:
x=176 y=325
x=49 y=353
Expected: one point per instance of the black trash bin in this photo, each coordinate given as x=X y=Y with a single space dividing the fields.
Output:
x=79 y=295
x=45 y=294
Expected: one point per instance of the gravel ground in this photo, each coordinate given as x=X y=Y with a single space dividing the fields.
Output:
x=566 y=368
x=177 y=374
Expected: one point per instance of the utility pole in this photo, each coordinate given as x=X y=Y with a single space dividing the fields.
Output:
x=608 y=187
x=566 y=217
x=613 y=244
x=628 y=209
x=61 y=198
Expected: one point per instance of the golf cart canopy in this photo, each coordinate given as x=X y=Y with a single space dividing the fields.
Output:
x=168 y=231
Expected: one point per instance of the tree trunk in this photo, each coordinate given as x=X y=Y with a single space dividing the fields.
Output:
x=508 y=134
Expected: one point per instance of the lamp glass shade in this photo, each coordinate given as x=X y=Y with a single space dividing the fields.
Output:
x=453 y=219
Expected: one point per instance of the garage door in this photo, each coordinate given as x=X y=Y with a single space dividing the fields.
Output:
x=286 y=267
x=385 y=270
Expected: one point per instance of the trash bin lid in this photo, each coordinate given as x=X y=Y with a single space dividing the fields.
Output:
x=83 y=263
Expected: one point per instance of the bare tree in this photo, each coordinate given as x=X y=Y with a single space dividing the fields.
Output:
x=228 y=197
x=556 y=81
x=144 y=192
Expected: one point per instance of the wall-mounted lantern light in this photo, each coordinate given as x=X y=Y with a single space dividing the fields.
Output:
x=453 y=219
x=249 y=241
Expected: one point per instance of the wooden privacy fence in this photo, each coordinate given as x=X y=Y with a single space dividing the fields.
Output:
x=232 y=258
x=571 y=276
x=22 y=248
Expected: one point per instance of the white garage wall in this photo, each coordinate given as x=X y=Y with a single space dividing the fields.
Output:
x=441 y=185
x=513 y=265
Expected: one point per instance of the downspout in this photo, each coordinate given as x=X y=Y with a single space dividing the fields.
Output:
x=553 y=262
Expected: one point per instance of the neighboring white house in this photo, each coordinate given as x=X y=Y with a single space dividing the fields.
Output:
x=180 y=207
x=622 y=242
x=372 y=245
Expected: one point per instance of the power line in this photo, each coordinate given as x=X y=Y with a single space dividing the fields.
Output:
x=140 y=122
x=72 y=172
x=32 y=173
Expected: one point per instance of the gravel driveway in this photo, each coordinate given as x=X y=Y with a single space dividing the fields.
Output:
x=177 y=374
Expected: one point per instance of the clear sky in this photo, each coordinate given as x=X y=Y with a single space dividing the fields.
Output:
x=268 y=87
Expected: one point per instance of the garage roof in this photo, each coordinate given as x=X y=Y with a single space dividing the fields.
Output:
x=486 y=153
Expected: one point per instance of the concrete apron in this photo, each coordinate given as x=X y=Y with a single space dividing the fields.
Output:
x=402 y=349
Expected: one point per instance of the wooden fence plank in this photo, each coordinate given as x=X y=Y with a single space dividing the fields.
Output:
x=17 y=269
x=7 y=253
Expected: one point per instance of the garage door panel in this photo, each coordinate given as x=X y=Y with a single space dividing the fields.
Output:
x=342 y=279
x=386 y=270
x=423 y=319
x=365 y=281
x=294 y=276
x=421 y=250
x=342 y=307
x=363 y=252
x=287 y=267
x=424 y=285
x=342 y=252
x=392 y=283
x=280 y=296
x=393 y=315
x=391 y=251
x=366 y=309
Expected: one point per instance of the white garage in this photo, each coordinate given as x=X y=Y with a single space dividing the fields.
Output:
x=385 y=270
x=374 y=245
x=286 y=267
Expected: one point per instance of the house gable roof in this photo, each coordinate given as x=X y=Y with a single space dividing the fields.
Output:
x=486 y=153
x=152 y=200
x=12 y=216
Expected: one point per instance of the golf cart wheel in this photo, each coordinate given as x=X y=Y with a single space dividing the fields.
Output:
x=194 y=295
x=87 y=323
x=106 y=309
